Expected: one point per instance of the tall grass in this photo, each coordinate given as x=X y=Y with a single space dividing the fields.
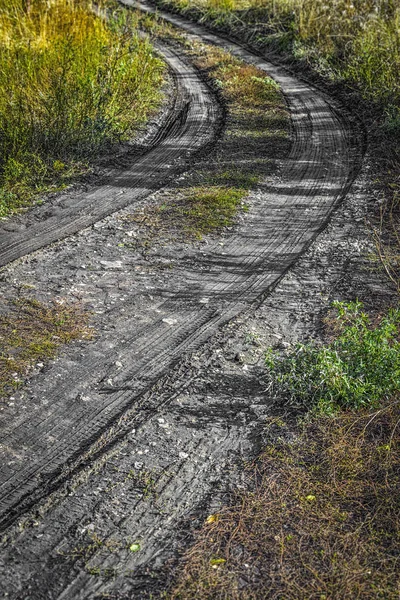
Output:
x=70 y=83
x=358 y=40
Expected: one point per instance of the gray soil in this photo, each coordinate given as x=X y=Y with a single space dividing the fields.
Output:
x=114 y=452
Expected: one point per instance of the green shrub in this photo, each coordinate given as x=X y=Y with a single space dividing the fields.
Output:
x=361 y=367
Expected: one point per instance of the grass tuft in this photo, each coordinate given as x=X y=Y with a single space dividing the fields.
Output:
x=30 y=332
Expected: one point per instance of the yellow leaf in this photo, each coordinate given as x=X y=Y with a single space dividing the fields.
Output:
x=212 y=519
x=217 y=561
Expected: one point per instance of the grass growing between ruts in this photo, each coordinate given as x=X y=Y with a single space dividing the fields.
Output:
x=30 y=332
x=71 y=84
x=256 y=134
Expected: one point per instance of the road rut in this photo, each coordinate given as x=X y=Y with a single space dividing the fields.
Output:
x=90 y=396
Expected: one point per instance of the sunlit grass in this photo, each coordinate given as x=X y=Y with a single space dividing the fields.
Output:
x=71 y=83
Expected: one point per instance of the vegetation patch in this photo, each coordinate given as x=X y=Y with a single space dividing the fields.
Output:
x=71 y=83
x=319 y=520
x=30 y=332
x=359 y=368
x=256 y=134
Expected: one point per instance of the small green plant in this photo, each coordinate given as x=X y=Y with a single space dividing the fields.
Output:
x=359 y=368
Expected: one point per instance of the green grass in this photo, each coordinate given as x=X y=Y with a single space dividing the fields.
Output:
x=71 y=84
x=32 y=332
x=202 y=210
x=359 y=368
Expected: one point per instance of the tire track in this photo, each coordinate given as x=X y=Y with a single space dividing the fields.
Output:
x=187 y=128
x=211 y=289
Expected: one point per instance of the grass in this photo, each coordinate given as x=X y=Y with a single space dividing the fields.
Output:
x=359 y=368
x=319 y=519
x=71 y=84
x=256 y=134
x=31 y=332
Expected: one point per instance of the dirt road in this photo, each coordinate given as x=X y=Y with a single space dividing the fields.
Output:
x=113 y=441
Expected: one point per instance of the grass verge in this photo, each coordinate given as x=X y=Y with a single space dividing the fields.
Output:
x=31 y=332
x=71 y=84
x=319 y=521
x=320 y=516
x=359 y=368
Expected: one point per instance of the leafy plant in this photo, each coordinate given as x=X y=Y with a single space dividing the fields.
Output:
x=360 y=367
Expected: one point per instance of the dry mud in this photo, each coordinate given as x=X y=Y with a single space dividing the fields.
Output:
x=114 y=451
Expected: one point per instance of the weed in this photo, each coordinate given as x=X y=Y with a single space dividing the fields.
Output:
x=359 y=368
x=386 y=235
x=144 y=481
x=30 y=332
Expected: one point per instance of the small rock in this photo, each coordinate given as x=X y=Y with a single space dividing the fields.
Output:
x=170 y=321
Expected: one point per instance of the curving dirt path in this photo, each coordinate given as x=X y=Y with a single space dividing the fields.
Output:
x=108 y=396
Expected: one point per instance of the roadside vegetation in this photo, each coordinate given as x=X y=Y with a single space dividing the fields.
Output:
x=319 y=519
x=71 y=84
x=32 y=332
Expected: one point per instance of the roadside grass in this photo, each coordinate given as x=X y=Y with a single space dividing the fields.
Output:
x=255 y=136
x=31 y=332
x=320 y=516
x=72 y=83
x=319 y=519
x=357 y=41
